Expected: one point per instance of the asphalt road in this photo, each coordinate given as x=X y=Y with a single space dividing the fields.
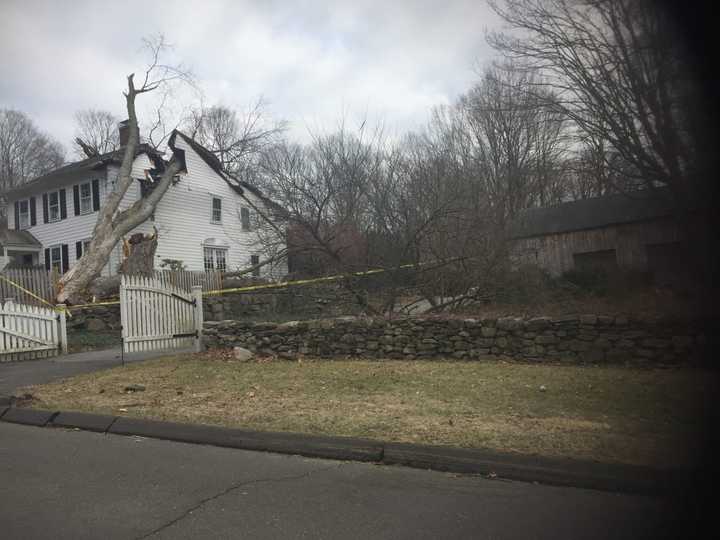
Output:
x=14 y=375
x=59 y=484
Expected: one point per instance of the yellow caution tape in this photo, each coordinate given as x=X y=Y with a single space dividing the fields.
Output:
x=108 y=303
x=55 y=307
x=311 y=280
x=283 y=284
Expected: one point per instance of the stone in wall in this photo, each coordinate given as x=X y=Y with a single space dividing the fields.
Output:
x=587 y=338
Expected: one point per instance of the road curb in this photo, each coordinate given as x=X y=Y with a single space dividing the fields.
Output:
x=561 y=472
x=90 y=422
x=30 y=417
x=284 y=443
x=552 y=471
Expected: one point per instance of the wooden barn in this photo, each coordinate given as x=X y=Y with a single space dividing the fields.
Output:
x=634 y=231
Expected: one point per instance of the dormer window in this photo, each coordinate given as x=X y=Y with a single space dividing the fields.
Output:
x=216 y=210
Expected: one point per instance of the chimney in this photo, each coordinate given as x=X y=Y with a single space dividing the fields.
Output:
x=124 y=130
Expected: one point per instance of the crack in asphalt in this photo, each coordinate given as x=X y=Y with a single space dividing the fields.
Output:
x=232 y=488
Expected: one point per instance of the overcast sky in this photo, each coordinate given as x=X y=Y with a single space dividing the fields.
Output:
x=313 y=62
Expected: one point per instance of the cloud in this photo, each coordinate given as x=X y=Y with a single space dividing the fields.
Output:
x=312 y=61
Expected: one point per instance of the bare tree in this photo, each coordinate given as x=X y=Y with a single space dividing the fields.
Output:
x=96 y=133
x=237 y=140
x=515 y=136
x=112 y=222
x=622 y=77
x=25 y=152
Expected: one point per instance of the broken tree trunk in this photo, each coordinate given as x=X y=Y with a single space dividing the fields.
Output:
x=139 y=252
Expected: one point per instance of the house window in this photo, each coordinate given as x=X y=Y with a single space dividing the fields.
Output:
x=86 y=198
x=24 y=214
x=56 y=259
x=255 y=261
x=216 y=210
x=81 y=248
x=54 y=206
x=245 y=218
x=215 y=258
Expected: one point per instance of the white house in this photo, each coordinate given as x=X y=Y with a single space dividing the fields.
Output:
x=206 y=219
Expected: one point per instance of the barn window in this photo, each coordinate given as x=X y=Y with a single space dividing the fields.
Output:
x=593 y=261
x=666 y=263
x=254 y=262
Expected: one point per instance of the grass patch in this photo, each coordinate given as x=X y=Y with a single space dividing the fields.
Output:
x=613 y=414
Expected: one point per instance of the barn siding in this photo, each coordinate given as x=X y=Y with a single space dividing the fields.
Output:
x=554 y=252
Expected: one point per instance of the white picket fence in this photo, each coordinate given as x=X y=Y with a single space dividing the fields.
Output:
x=209 y=280
x=157 y=316
x=29 y=332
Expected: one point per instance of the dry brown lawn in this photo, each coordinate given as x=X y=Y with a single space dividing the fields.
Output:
x=613 y=414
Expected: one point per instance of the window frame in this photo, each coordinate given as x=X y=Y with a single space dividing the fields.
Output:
x=213 y=219
x=244 y=210
x=254 y=261
x=57 y=247
x=89 y=209
x=211 y=261
x=27 y=225
x=50 y=207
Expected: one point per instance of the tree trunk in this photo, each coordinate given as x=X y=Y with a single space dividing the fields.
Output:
x=139 y=255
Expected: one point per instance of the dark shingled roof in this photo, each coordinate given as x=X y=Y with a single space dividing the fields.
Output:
x=90 y=164
x=593 y=213
x=11 y=237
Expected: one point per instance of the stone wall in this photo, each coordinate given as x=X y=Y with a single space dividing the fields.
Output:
x=95 y=319
x=585 y=338
x=324 y=300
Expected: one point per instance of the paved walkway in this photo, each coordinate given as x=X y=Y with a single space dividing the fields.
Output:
x=62 y=484
x=14 y=375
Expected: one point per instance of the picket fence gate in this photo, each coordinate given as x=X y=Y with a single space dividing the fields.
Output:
x=158 y=316
x=29 y=332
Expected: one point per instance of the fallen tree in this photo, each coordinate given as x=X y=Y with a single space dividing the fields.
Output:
x=113 y=223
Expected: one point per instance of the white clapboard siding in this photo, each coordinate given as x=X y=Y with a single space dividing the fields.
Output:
x=29 y=332
x=158 y=316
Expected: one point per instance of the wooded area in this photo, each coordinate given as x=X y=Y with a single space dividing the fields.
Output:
x=586 y=99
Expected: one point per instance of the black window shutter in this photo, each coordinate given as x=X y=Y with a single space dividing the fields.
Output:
x=65 y=259
x=76 y=199
x=96 y=195
x=45 y=208
x=47 y=258
x=63 y=205
x=78 y=250
x=17 y=215
x=33 y=213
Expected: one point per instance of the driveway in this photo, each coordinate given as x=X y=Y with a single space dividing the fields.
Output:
x=75 y=484
x=14 y=375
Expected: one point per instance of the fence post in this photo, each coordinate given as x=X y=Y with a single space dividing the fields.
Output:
x=63 y=328
x=197 y=296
